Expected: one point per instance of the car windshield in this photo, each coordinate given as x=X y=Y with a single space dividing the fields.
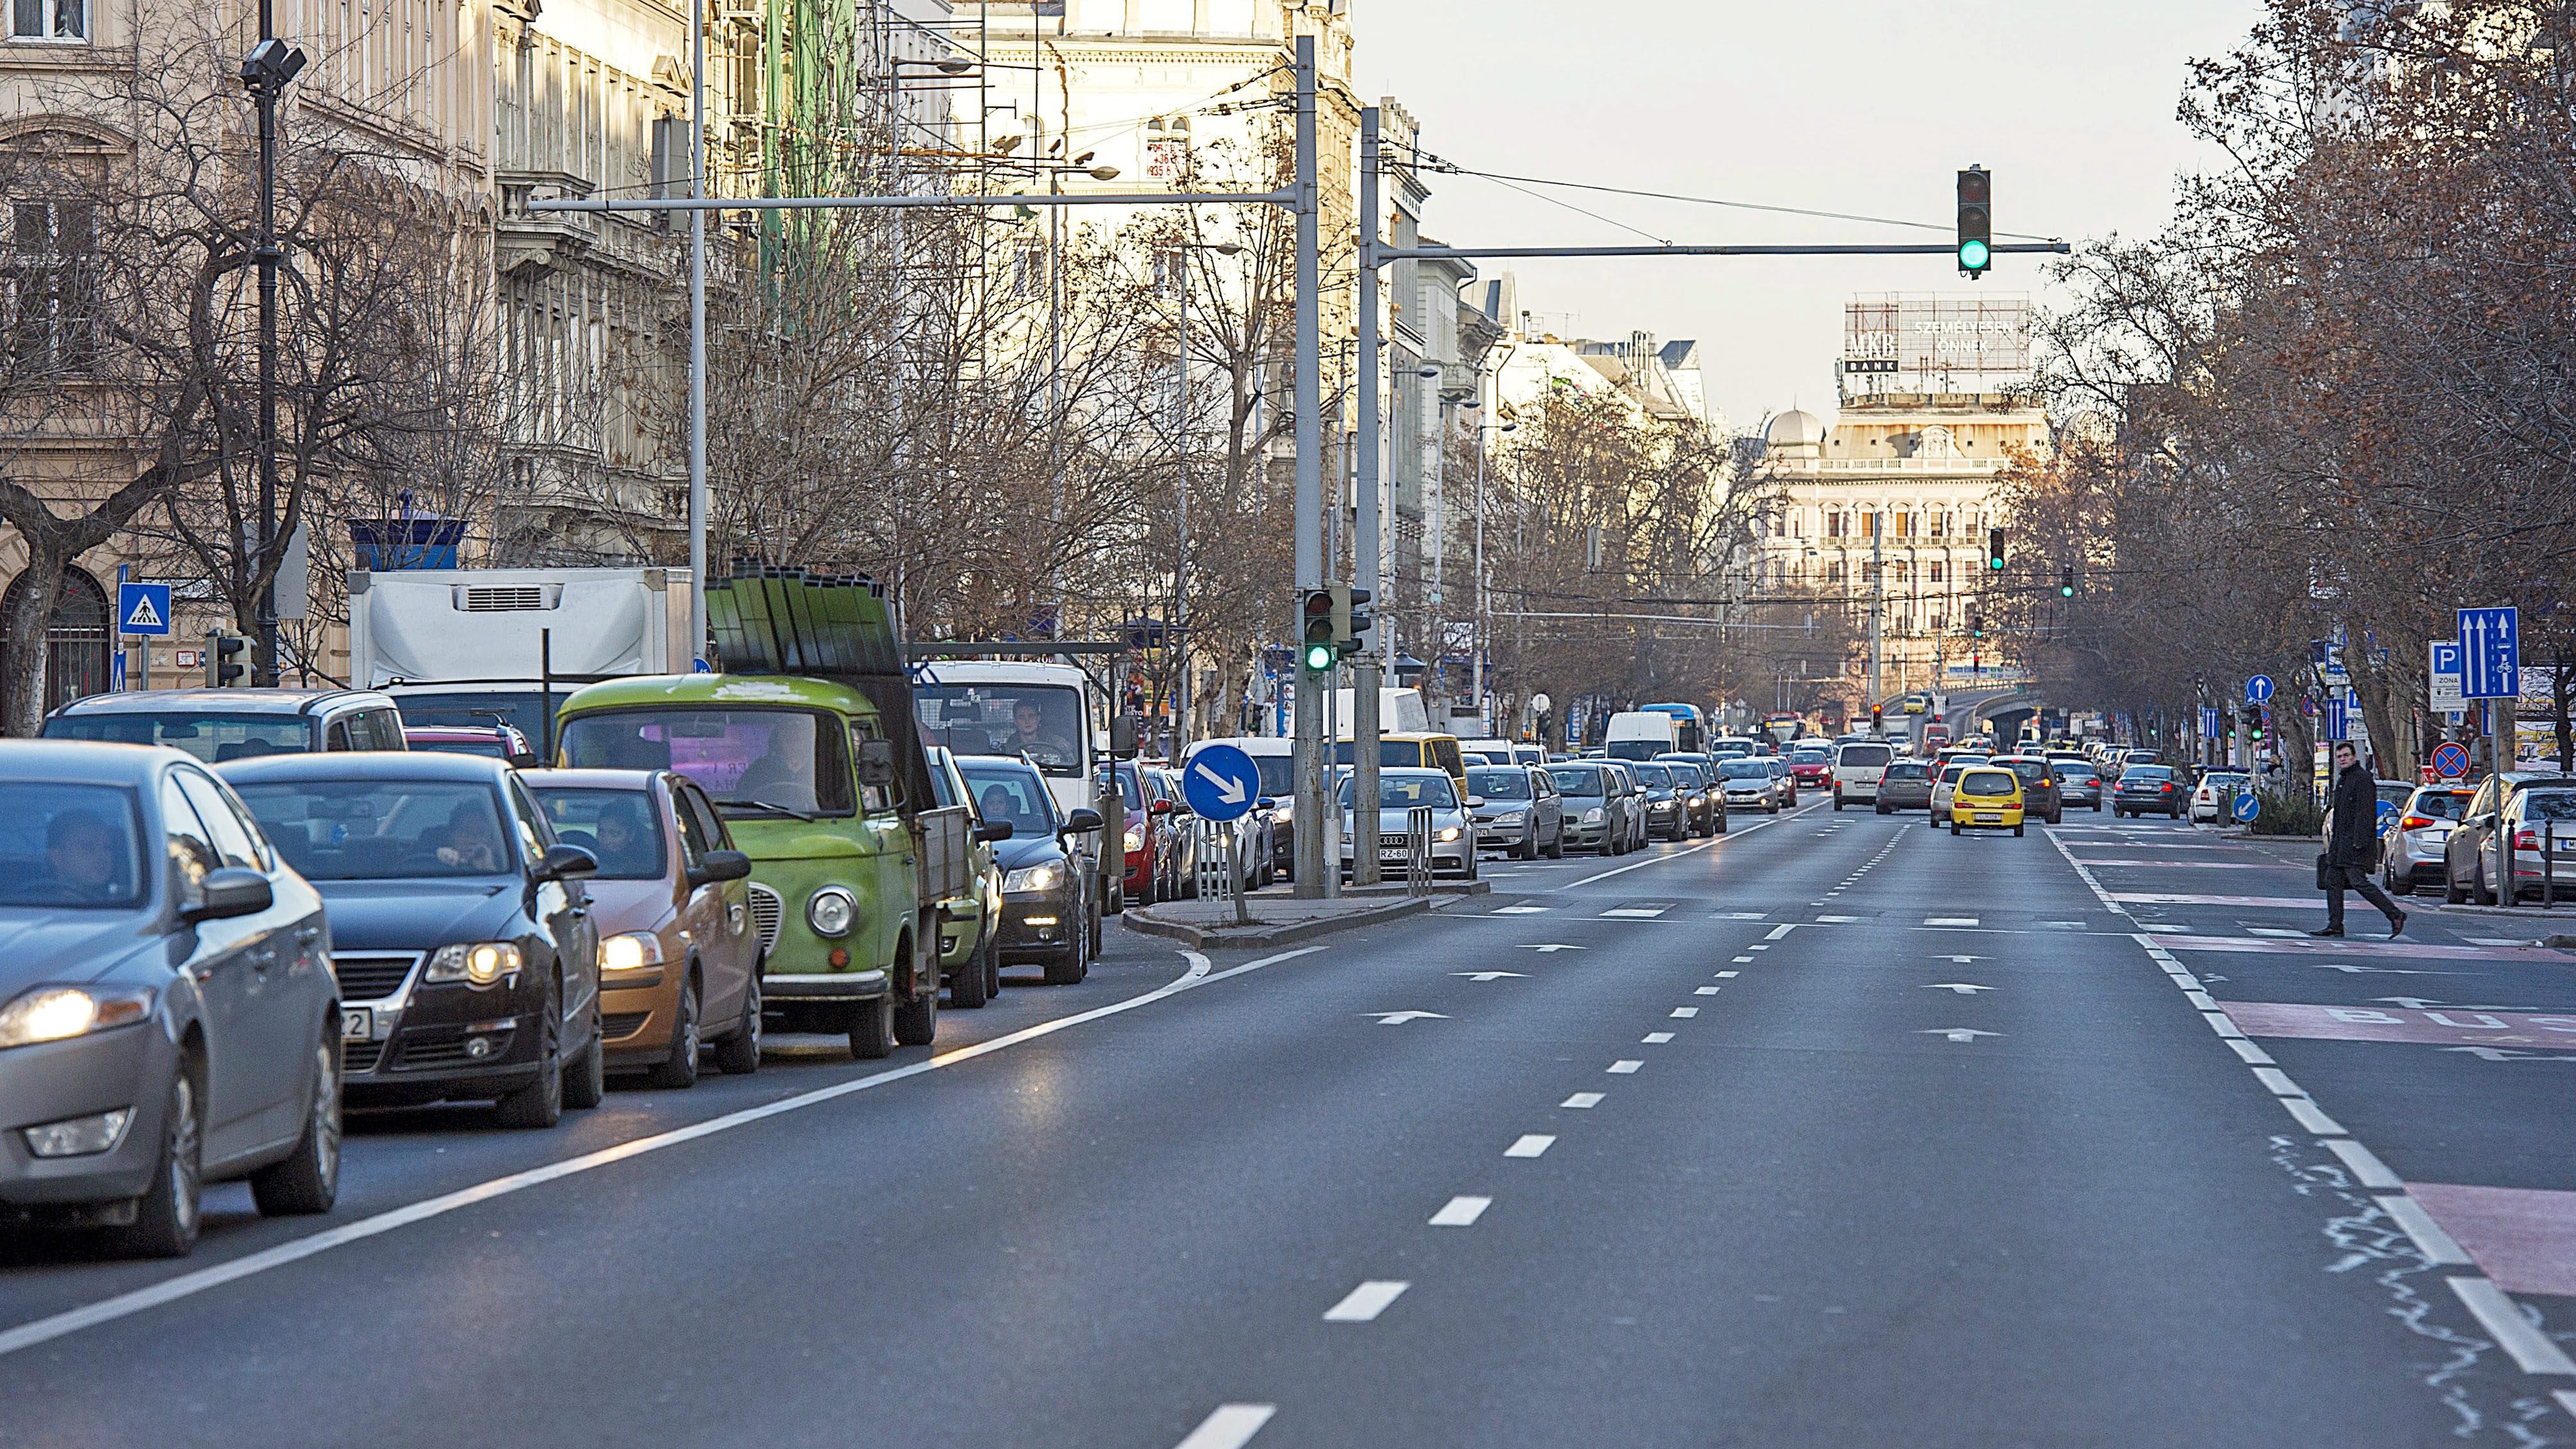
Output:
x=621 y=827
x=1744 y=769
x=1687 y=775
x=1130 y=789
x=2031 y=771
x=2549 y=805
x=2395 y=791
x=1499 y=784
x=1041 y=721
x=1908 y=770
x=1655 y=775
x=360 y=829
x=524 y=712
x=1403 y=792
x=2147 y=774
x=1987 y=782
x=1864 y=756
x=487 y=746
x=1577 y=780
x=69 y=846
x=1808 y=757
x=2439 y=804
x=1011 y=795
x=2074 y=774
x=752 y=761
x=213 y=738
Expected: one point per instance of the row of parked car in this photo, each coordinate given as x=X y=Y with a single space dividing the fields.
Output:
x=232 y=914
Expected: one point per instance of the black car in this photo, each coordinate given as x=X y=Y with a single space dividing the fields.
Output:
x=166 y=1001
x=1667 y=805
x=468 y=963
x=2148 y=787
x=2042 y=798
x=1044 y=900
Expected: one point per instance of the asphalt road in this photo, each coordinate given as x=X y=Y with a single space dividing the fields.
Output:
x=1835 y=1131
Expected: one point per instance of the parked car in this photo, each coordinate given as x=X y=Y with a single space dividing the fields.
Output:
x=1276 y=760
x=2040 y=797
x=217 y=725
x=679 y=957
x=2410 y=849
x=2143 y=788
x=970 y=923
x=1701 y=797
x=2521 y=804
x=1788 y=780
x=168 y=1015
x=1667 y=814
x=1988 y=797
x=1813 y=768
x=461 y=930
x=1907 y=785
x=2077 y=782
x=1749 y=783
x=1521 y=814
x=1045 y=893
x=495 y=742
x=2216 y=791
x=1399 y=791
x=1858 y=767
x=1149 y=831
x=1590 y=820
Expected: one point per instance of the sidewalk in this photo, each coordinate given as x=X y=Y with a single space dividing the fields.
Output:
x=1278 y=920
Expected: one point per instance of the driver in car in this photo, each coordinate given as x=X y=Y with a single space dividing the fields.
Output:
x=82 y=853
x=1035 y=740
x=473 y=840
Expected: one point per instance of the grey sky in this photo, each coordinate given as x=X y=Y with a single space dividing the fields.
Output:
x=1864 y=108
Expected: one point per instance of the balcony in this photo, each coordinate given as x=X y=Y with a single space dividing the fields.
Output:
x=529 y=243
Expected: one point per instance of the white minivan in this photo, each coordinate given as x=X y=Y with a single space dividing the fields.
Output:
x=1639 y=735
x=1858 y=767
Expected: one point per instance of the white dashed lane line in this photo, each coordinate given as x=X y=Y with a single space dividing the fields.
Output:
x=1530 y=1144
x=1582 y=1099
x=1624 y=1067
x=1364 y=1303
x=1230 y=1427
x=1461 y=1212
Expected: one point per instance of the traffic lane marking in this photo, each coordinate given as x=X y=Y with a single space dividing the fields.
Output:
x=1364 y=1303
x=2171 y=898
x=2448 y=1026
x=2523 y=1238
x=2302 y=944
x=1230 y=1427
x=2502 y=1318
x=188 y=1285
x=1461 y=1212
x=1530 y=1144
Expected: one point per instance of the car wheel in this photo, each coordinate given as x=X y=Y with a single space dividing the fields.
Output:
x=966 y=984
x=2398 y=887
x=2017 y=832
x=1094 y=947
x=540 y=1103
x=1556 y=843
x=993 y=962
x=680 y=1069
x=2479 y=891
x=2452 y=891
x=1775 y=807
x=872 y=1030
x=1070 y=970
x=738 y=1055
x=1954 y=827
x=166 y=1217
x=586 y=1085
x=308 y=1181
x=916 y=1022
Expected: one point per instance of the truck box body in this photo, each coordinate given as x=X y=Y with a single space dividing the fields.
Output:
x=1641 y=735
x=448 y=625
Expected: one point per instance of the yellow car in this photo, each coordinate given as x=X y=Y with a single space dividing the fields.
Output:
x=1986 y=799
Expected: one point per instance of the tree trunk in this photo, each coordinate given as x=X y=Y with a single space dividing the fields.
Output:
x=22 y=640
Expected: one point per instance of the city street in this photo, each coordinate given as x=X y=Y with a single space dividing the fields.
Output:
x=1831 y=1128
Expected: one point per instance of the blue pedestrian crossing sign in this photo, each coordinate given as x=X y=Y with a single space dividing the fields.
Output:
x=1221 y=783
x=2248 y=805
x=143 y=609
x=2258 y=689
x=2490 y=653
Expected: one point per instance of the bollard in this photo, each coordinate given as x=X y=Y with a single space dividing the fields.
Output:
x=1417 y=860
x=2549 y=866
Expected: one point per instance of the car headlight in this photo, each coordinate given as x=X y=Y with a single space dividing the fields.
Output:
x=1510 y=817
x=1033 y=878
x=831 y=912
x=1592 y=816
x=1448 y=833
x=476 y=963
x=632 y=951
x=1135 y=838
x=53 y=1013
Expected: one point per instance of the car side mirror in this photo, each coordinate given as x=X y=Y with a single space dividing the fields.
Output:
x=1162 y=807
x=570 y=862
x=229 y=892
x=1122 y=736
x=1081 y=822
x=993 y=832
x=526 y=760
x=1475 y=802
x=876 y=763
x=720 y=865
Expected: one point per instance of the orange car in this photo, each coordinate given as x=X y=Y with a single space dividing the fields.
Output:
x=679 y=953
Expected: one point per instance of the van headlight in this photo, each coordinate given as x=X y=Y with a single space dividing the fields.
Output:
x=831 y=912
x=479 y=964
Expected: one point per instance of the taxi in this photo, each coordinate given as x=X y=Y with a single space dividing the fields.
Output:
x=1986 y=798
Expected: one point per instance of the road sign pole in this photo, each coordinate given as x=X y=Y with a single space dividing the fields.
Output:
x=1317 y=879
x=1365 y=723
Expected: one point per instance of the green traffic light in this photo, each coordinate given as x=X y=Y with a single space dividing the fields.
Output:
x=1974 y=255
x=1319 y=657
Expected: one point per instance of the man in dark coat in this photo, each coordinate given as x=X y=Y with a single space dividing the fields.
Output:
x=2352 y=845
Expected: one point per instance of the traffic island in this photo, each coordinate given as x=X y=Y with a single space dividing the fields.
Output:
x=1209 y=925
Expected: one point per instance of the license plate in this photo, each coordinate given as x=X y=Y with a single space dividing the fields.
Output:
x=357 y=1023
x=1983 y=817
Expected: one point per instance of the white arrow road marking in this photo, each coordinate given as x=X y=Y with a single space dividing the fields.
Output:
x=1552 y=947
x=1365 y=1302
x=1491 y=975
x=1230 y=1427
x=1228 y=789
x=1399 y=1018
x=1956 y=1033
x=1530 y=1144
x=1962 y=987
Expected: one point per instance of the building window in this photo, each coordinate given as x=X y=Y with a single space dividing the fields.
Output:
x=1834 y=572
x=1937 y=571
x=49 y=19
x=49 y=286
x=76 y=638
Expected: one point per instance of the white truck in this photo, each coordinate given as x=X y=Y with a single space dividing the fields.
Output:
x=1641 y=735
x=505 y=646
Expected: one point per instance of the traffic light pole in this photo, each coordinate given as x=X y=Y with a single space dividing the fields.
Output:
x=1365 y=725
x=1318 y=873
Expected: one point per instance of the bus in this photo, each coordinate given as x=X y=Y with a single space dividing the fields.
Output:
x=1782 y=728
x=1691 y=725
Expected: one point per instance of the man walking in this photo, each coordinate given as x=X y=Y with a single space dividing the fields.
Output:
x=2352 y=846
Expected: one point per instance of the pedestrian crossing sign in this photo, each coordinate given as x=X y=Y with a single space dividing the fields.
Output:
x=143 y=609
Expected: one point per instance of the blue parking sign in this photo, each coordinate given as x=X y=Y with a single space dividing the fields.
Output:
x=143 y=609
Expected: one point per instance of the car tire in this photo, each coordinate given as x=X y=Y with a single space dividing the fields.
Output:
x=993 y=963
x=1954 y=827
x=2479 y=891
x=738 y=1055
x=1556 y=845
x=2452 y=892
x=916 y=1022
x=872 y=1030
x=2398 y=887
x=308 y=1181
x=1093 y=949
x=586 y=1085
x=679 y=1071
x=167 y=1216
x=966 y=983
x=1775 y=807
x=1070 y=970
x=2017 y=832
x=540 y=1103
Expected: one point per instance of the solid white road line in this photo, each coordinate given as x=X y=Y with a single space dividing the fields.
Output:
x=1582 y=1099
x=2438 y=1247
x=2312 y=1117
x=1461 y=1212
x=2502 y=1318
x=1657 y=1038
x=1364 y=1303
x=1230 y=1427
x=187 y=1285
x=2364 y=1164
x=1624 y=1067
x=1530 y=1144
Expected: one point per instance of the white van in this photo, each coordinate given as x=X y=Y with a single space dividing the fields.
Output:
x=1858 y=767
x=1641 y=735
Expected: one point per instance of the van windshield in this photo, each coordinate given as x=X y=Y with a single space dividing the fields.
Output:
x=754 y=762
x=1041 y=721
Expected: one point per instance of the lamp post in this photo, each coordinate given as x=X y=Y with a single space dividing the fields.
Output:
x=265 y=73
x=1181 y=487
x=1476 y=660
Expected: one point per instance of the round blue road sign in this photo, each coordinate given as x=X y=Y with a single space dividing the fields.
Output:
x=2387 y=813
x=2247 y=807
x=2451 y=760
x=2258 y=689
x=1221 y=783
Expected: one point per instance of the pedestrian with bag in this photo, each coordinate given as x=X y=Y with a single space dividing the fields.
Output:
x=2352 y=846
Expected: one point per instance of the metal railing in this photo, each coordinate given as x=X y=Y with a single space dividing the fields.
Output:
x=1417 y=850
x=1217 y=856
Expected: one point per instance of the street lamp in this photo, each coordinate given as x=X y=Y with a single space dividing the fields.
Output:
x=271 y=65
x=1181 y=471
x=1476 y=660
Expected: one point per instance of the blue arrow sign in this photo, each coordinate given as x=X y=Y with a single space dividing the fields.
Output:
x=2258 y=689
x=2387 y=813
x=1221 y=783
x=2247 y=807
x=2338 y=721
x=143 y=609
x=2490 y=653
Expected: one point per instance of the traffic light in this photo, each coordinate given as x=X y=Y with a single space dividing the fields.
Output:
x=1976 y=625
x=2066 y=581
x=1994 y=550
x=1316 y=623
x=1878 y=719
x=1352 y=620
x=1976 y=221
x=221 y=650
